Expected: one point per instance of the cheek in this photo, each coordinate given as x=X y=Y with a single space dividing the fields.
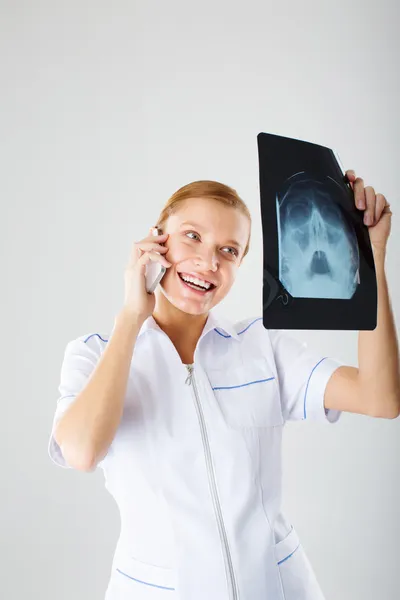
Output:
x=228 y=276
x=178 y=251
x=231 y=275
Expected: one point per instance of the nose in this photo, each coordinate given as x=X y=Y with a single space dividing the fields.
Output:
x=207 y=260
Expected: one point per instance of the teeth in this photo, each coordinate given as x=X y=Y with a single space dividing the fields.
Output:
x=196 y=281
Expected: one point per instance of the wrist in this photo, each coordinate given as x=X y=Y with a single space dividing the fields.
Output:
x=378 y=252
x=129 y=317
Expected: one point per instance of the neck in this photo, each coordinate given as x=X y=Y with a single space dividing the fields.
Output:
x=183 y=329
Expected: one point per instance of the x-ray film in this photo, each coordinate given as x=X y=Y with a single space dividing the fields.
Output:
x=318 y=268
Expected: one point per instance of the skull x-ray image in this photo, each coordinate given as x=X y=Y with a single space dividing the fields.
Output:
x=318 y=268
x=318 y=249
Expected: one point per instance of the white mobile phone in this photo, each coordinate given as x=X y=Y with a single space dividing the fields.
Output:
x=154 y=271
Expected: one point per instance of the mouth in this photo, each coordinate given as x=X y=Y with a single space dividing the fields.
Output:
x=202 y=291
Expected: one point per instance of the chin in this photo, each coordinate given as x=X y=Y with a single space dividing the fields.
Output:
x=185 y=304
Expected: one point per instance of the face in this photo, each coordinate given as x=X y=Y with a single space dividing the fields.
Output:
x=206 y=240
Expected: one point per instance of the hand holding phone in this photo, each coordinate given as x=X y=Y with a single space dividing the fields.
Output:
x=154 y=270
x=145 y=269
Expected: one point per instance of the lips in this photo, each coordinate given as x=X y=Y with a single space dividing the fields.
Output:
x=197 y=276
x=202 y=292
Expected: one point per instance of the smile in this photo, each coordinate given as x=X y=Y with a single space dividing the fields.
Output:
x=196 y=288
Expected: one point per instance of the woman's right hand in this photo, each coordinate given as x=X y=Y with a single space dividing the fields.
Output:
x=138 y=300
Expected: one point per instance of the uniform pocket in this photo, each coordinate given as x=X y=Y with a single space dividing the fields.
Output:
x=131 y=578
x=248 y=395
x=297 y=575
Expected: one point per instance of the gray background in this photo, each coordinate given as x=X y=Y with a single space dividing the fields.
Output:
x=106 y=109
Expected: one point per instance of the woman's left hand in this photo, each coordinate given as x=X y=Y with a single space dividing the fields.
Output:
x=377 y=216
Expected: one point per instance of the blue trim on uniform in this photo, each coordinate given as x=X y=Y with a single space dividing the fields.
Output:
x=283 y=559
x=145 y=582
x=308 y=381
x=230 y=387
x=245 y=329
x=92 y=334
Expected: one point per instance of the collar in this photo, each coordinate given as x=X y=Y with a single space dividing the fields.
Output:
x=223 y=326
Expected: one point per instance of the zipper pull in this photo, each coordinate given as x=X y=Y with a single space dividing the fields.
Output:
x=189 y=377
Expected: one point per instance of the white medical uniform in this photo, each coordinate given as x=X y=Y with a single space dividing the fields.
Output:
x=195 y=464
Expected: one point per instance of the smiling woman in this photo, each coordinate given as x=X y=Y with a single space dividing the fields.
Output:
x=184 y=411
x=209 y=230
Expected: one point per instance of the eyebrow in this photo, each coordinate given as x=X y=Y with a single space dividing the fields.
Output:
x=197 y=226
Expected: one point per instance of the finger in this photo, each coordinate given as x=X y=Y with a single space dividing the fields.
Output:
x=152 y=246
x=351 y=174
x=369 y=215
x=151 y=255
x=142 y=246
x=381 y=206
x=359 y=195
x=350 y=177
x=162 y=236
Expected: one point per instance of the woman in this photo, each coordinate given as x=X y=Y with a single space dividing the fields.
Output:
x=184 y=412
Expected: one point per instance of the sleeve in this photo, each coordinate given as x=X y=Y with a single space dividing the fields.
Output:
x=80 y=358
x=302 y=377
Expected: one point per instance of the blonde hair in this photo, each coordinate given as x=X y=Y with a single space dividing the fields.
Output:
x=205 y=189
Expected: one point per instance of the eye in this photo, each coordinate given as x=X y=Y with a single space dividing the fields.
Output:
x=235 y=252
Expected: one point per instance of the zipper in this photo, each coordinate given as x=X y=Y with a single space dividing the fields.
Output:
x=190 y=380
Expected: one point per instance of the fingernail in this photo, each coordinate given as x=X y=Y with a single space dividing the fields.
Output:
x=368 y=220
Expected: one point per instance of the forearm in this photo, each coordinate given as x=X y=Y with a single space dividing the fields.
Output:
x=88 y=426
x=378 y=352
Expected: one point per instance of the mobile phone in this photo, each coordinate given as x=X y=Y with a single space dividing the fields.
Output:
x=154 y=270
